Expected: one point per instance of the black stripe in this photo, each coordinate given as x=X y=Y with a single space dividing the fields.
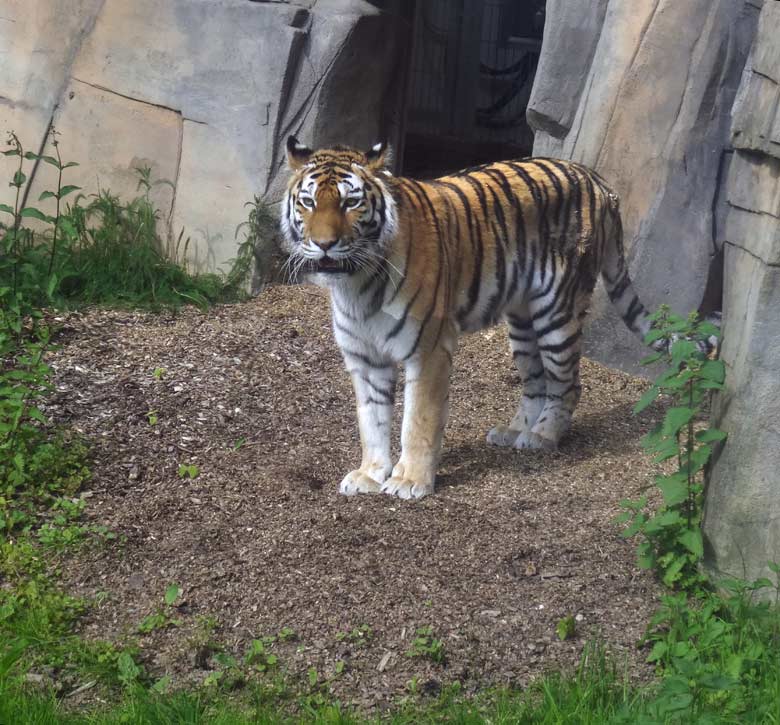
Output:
x=387 y=393
x=365 y=359
x=402 y=320
x=520 y=338
x=555 y=324
x=521 y=323
x=560 y=347
x=617 y=290
x=473 y=291
x=634 y=310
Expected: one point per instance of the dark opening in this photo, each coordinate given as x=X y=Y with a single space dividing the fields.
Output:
x=472 y=69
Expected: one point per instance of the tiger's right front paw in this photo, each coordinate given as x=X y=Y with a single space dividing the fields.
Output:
x=360 y=482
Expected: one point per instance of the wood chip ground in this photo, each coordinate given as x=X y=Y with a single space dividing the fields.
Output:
x=256 y=396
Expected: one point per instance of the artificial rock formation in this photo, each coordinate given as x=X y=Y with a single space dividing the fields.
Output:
x=642 y=92
x=742 y=515
x=203 y=92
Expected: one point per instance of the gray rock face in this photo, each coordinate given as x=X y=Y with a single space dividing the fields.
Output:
x=571 y=33
x=204 y=92
x=650 y=112
x=742 y=516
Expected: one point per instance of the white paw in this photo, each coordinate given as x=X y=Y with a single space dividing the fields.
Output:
x=534 y=441
x=406 y=488
x=503 y=436
x=358 y=482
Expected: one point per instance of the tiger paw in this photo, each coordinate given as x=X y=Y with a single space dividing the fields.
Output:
x=359 y=482
x=406 y=488
x=533 y=441
x=503 y=436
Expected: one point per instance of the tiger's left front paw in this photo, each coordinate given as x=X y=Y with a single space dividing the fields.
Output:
x=405 y=487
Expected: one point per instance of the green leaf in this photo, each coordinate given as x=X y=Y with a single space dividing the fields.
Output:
x=713 y=370
x=565 y=628
x=649 y=396
x=31 y=156
x=673 y=487
x=717 y=682
x=691 y=539
x=675 y=419
x=762 y=583
x=653 y=335
x=32 y=212
x=673 y=571
x=634 y=527
x=665 y=449
x=681 y=350
x=707 y=329
x=35 y=414
x=65 y=190
x=710 y=435
x=663 y=520
x=658 y=652
x=69 y=164
x=51 y=160
x=68 y=228
x=650 y=359
x=172 y=594
x=7 y=209
x=19 y=178
x=47 y=195
x=52 y=285
x=128 y=670
x=11 y=152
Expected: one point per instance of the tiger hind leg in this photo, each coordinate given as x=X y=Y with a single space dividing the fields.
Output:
x=525 y=353
x=559 y=338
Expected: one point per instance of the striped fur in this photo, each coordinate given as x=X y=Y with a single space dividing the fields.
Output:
x=411 y=264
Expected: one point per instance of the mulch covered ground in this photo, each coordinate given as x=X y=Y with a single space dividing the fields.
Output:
x=261 y=540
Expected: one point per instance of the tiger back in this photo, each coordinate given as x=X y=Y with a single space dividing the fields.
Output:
x=412 y=264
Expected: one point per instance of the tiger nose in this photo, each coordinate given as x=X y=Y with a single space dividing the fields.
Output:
x=325 y=244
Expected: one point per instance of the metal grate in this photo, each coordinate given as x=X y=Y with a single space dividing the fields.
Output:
x=473 y=67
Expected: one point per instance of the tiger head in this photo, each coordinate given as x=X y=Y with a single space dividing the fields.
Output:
x=338 y=212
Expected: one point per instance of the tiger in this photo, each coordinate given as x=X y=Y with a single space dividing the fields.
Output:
x=410 y=265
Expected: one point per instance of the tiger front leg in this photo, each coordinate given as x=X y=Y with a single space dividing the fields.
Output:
x=375 y=394
x=426 y=405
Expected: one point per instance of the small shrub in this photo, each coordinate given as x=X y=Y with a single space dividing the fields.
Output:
x=672 y=540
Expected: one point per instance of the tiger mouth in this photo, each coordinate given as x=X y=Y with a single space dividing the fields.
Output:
x=328 y=265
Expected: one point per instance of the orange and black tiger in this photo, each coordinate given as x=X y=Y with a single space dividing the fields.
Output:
x=412 y=264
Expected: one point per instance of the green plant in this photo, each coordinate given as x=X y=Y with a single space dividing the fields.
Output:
x=287 y=634
x=258 y=657
x=566 y=628
x=358 y=636
x=672 y=541
x=427 y=646
x=188 y=470
x=162 y=619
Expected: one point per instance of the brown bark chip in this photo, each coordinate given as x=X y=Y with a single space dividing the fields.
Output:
x=256 y=397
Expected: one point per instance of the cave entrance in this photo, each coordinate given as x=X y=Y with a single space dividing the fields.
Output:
x=472 y=69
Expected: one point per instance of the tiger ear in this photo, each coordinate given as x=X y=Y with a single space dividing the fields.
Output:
x=297 y=153
x=378 y=156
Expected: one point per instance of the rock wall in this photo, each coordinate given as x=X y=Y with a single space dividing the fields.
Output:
x=642 y=92
x=742 y=515
x=203 y=92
